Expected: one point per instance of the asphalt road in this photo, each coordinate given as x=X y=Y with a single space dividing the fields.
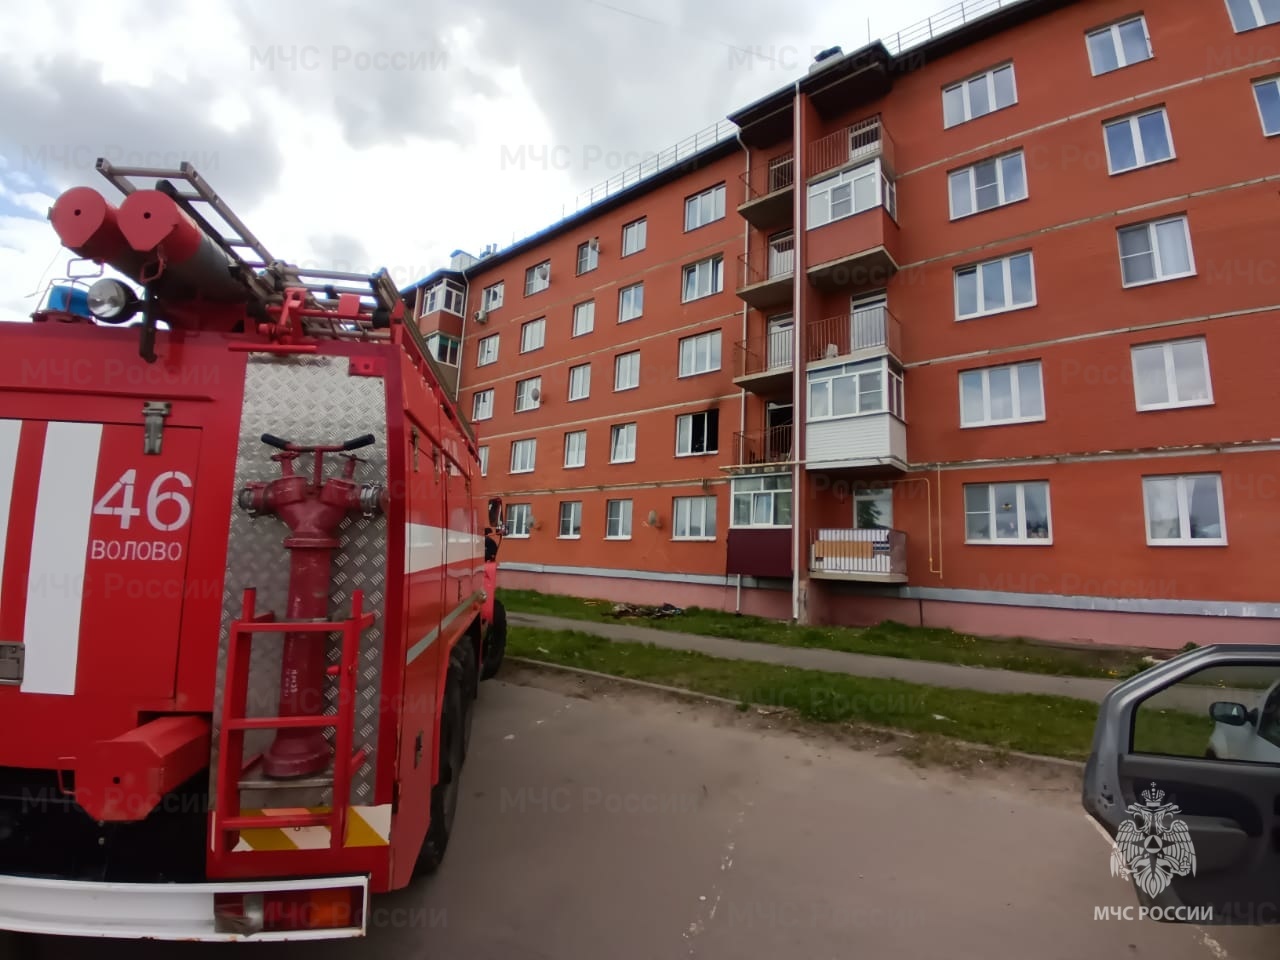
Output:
x=630 y=826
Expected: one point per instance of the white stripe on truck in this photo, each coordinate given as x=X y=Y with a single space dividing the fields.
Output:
x=59 y=549
x=10 y=430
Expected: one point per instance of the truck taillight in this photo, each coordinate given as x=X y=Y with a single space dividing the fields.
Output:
x=288 y=910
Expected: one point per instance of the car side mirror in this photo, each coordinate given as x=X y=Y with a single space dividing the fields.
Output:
x=1232 y=714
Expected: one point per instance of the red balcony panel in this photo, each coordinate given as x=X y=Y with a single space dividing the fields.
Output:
x=858 y=251
x=759 y=552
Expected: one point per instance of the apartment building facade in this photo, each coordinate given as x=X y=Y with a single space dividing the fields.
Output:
x=977 y=333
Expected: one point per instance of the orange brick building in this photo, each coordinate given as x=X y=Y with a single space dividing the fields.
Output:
x=973 y=327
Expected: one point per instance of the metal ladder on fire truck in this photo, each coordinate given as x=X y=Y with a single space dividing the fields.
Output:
x=290 y=303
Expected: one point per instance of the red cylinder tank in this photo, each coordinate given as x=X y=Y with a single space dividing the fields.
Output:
x=89 y=226
x=152 y=221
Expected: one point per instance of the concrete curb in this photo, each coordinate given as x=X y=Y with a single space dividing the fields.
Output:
x=1058 y=763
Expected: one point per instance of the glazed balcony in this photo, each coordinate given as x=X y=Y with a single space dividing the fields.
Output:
x=770 y=192
x=852 y=208
x=855 y=416
x=757 y=447
x=858 y=250
x=764 y=363
x=863 y=333
x=766 y=273
x=875 y=556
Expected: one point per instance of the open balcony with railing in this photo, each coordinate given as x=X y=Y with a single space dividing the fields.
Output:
x=852 y=146
x=861 y=334
x=765 y=274
x=770 y=192
x=876 y=555
x=764 y=362
x=771 y=445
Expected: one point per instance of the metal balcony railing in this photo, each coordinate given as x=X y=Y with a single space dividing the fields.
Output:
x=865 y=328
x=864 y=140
x=875 y=553
x=776 y=173
x=767 y=353
x=771 y=445
x=775 y=260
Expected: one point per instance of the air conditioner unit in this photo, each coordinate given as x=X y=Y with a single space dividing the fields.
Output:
x=481 y=316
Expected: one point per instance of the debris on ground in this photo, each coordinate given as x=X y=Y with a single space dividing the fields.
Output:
x=647 y=612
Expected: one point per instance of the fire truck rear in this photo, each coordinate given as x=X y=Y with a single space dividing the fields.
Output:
x=245 y=606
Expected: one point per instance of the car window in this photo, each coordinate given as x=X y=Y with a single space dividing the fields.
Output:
x=1176 y=721
x=1269 y=721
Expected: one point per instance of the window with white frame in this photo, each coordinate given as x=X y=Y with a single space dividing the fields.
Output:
x=1007 y=512
x=484 y=461
x=700 y=354
x=1118 y=45
x=445 y=295
x=570 y=519
x=988 y=184
x=537 y=278
x=630 y=302
x=977 y=96
x=854 y=390
x=528 y=393
x=575 y=449
x=524 y=453
x=994 y=286
x=1267 y=95
x=1171 y=374
x=703 y=208
x=626 y=371
x=1251 y=14
x=533 y=335
x=492 y=298
x=487 y=350
x=1011 y=393
x=844 y=194
x=1184 y=509
x=588 y=257
x=622 y=443
x=1155 y=251
x=580 y=382
x=1138 y=140
x=763 y=501
x=444 y=348
x=698 y=433
x=617 y=520
x=584 y=318
x=519 y=519
x=703 y=278
x=482 y=405
x=873 y=508
x=634 y=236
x=693 y=518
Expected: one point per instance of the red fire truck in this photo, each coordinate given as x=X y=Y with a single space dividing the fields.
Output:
x=245 y=602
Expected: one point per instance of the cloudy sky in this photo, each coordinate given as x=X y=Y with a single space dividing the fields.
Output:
x=360 y=136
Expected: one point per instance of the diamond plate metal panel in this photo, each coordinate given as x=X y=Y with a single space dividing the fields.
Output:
x=307 y=400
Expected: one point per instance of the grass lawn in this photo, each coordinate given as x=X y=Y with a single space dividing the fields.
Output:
x=1045 y=725
x=886 y=639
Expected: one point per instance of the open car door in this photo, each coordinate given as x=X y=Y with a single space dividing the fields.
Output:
x=1184 y=776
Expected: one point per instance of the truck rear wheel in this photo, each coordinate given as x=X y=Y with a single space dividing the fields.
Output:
x=495 y=646
x=444 y=795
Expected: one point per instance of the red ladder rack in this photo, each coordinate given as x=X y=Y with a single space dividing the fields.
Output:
x=228 y=821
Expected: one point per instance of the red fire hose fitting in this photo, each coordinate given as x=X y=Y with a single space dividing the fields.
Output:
x=313 y=510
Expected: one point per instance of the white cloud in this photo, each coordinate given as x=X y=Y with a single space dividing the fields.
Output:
x=395 y=134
